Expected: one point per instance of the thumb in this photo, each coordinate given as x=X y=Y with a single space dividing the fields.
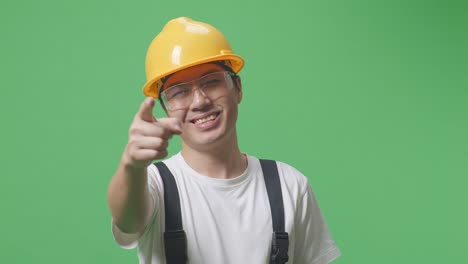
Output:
x=146 y=110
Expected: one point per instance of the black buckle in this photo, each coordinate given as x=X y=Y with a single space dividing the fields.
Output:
x=279 y=247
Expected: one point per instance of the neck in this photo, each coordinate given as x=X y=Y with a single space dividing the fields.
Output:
x=224 y=161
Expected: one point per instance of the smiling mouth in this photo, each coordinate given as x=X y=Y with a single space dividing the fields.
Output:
x=205 y=119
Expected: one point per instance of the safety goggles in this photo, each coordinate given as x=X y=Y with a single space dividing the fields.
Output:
x=212 y=86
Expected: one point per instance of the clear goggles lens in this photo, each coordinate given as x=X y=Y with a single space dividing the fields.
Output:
x=212 y=85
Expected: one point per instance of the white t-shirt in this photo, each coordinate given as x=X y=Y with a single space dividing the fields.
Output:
x=229 y=220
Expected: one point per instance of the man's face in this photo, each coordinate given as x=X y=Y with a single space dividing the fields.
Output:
x=206 y=122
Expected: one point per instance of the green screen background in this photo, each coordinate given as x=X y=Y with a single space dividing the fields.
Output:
x=366 y=98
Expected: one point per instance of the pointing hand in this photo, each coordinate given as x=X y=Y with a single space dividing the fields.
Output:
x=148 y=136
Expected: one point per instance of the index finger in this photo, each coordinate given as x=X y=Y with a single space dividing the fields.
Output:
x=145 y=112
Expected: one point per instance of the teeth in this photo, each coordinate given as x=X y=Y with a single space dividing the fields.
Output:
x=206 y=119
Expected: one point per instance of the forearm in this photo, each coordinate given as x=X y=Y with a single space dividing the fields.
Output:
x=128 y=195
x=129 y=200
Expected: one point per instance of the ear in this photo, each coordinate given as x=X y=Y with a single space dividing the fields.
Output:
x=238 y=83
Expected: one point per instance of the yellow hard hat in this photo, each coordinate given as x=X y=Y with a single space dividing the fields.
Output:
x=181 y=44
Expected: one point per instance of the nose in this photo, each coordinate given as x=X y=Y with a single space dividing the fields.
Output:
x=199 y=100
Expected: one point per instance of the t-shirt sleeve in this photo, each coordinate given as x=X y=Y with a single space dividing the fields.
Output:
x=313 y=242
x=130 y=240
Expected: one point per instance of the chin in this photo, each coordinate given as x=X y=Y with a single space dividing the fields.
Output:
x=207 y=140
x=217 y=136
x=204 y=141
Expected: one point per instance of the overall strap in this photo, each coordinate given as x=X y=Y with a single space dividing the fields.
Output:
x=175 y=240
x=280 y=240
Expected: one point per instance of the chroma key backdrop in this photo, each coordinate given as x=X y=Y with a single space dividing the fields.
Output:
x=369 y=99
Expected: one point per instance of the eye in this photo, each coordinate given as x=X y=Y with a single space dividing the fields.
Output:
x=176 y=92
x=212 y=81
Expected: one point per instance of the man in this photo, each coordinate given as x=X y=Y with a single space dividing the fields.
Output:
x=224 y=204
